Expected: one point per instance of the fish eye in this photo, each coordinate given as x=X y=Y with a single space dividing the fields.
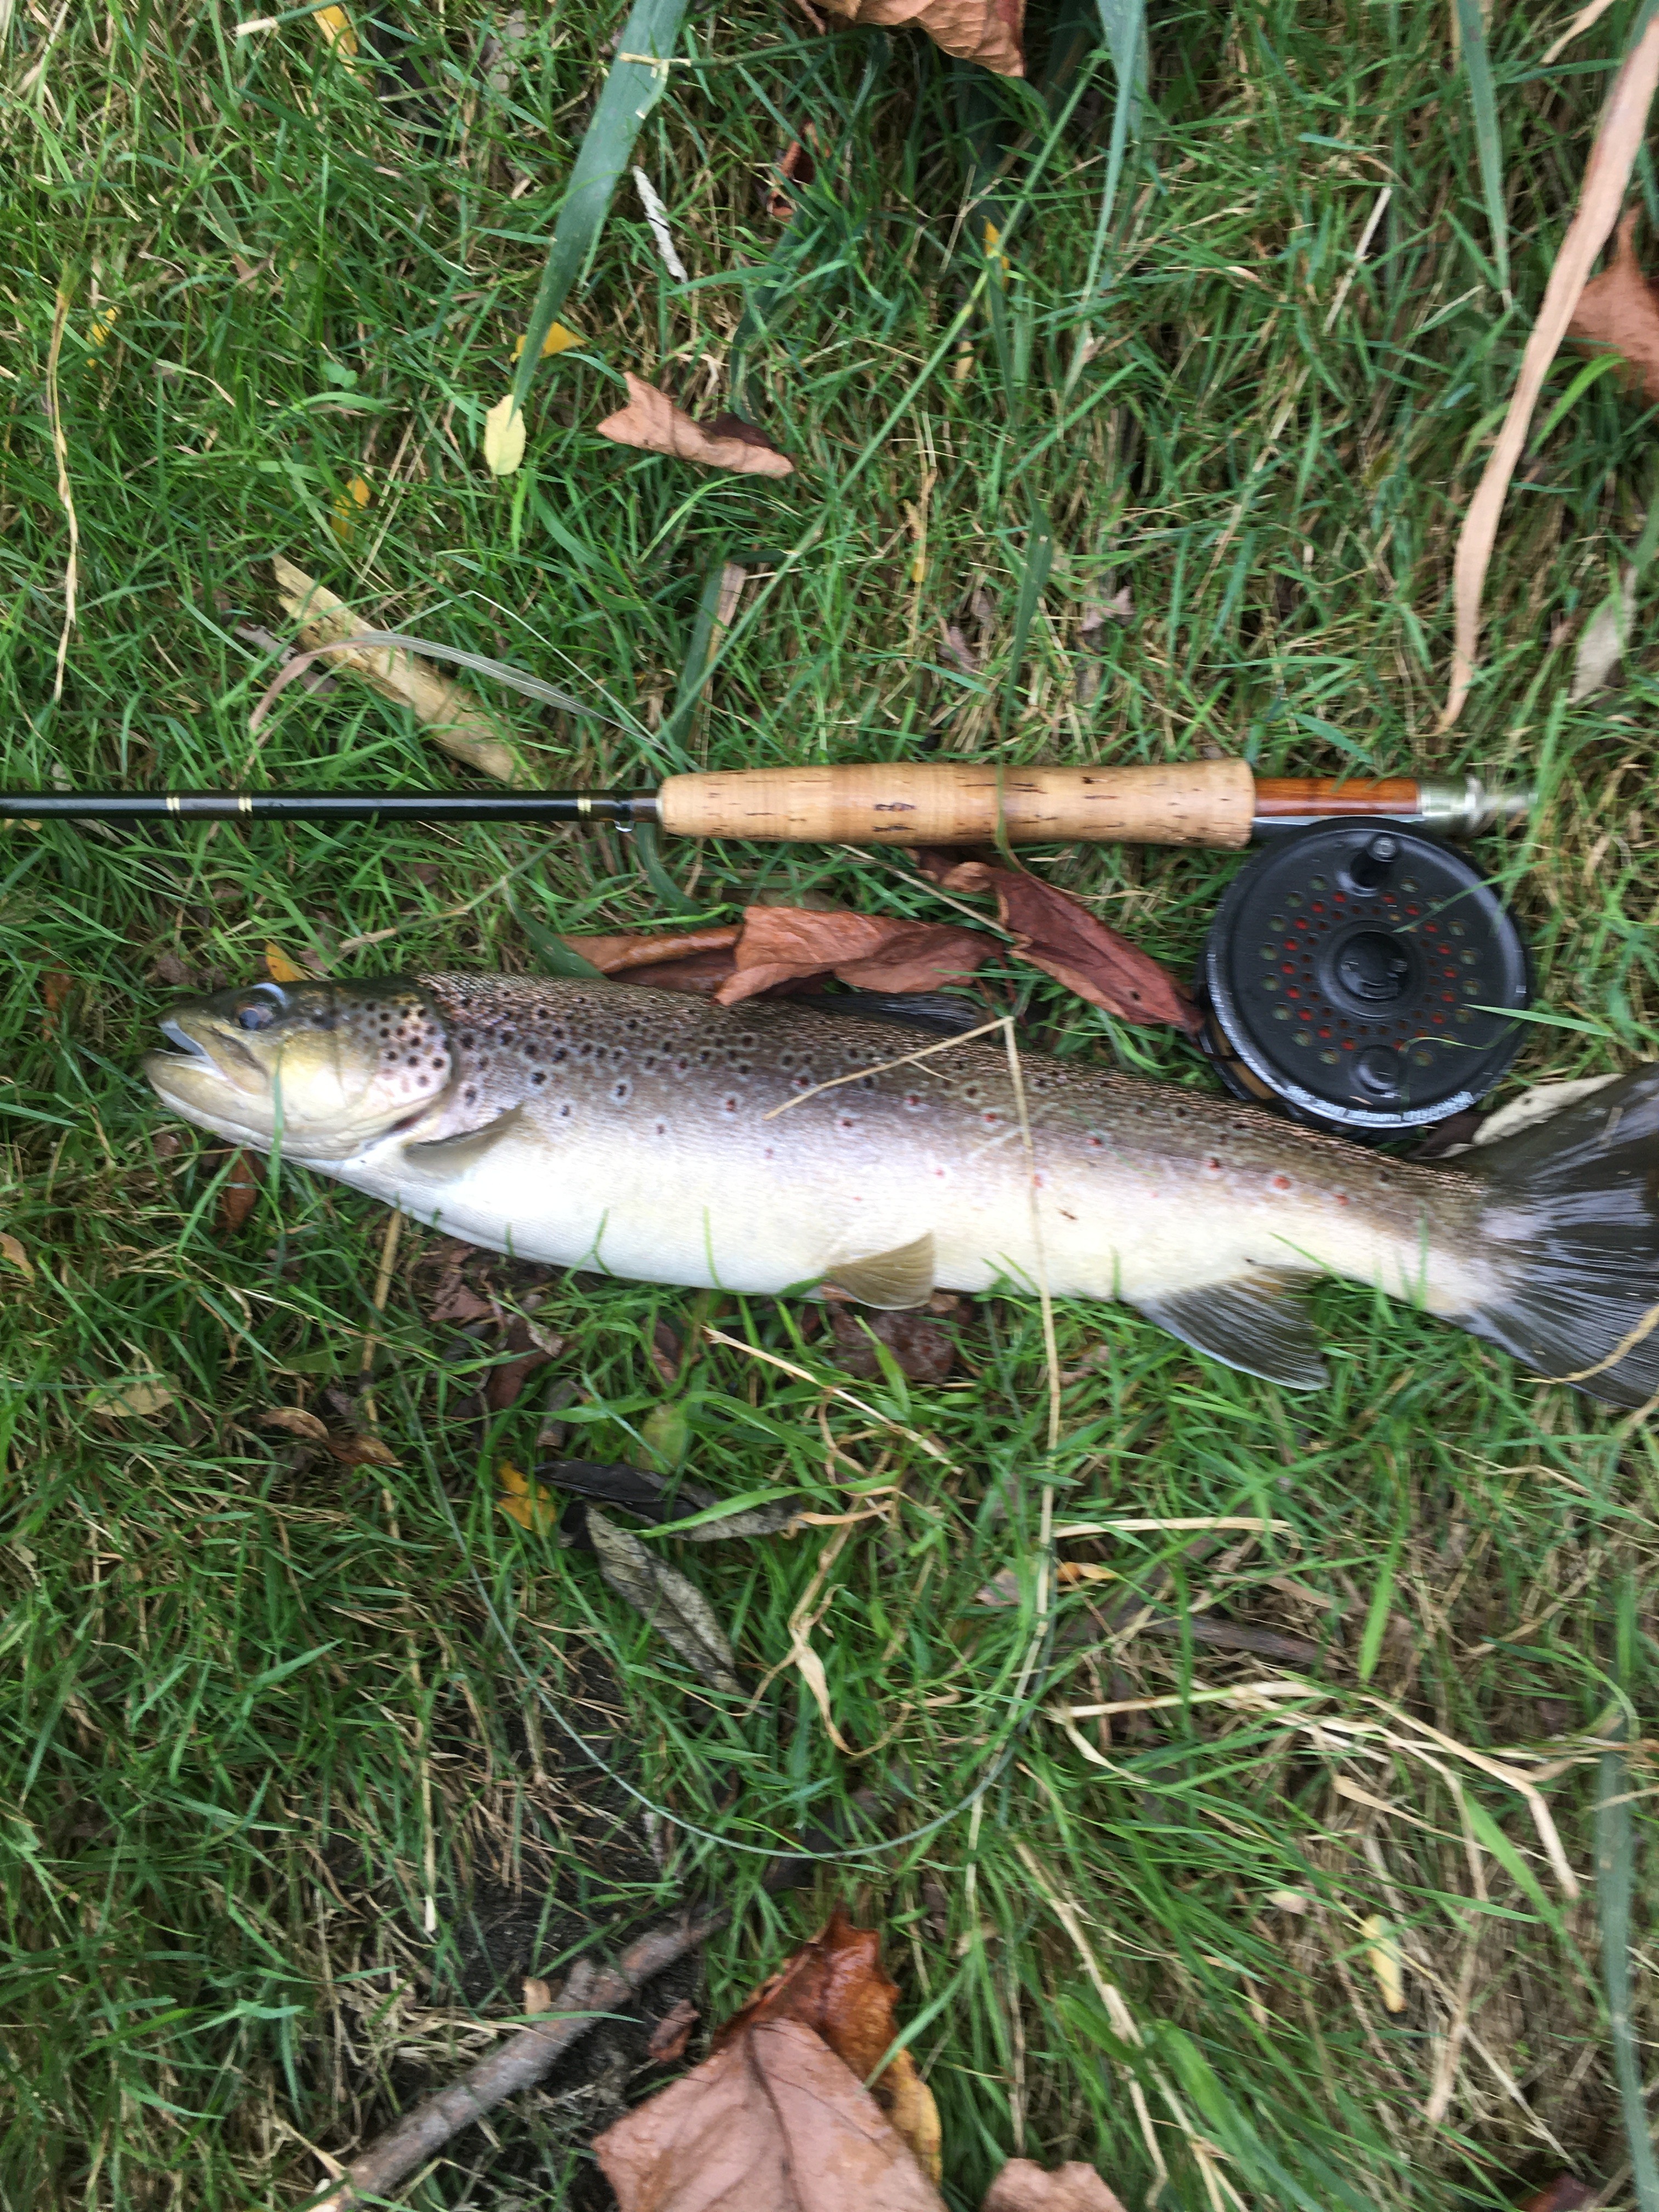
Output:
x=260 y=1007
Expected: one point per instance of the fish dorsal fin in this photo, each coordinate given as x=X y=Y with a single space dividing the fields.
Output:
x=1259 y=1323
x=890 y=1280
x=447 y=1156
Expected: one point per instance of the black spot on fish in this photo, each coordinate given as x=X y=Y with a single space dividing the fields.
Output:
x=539 y=1078
x=622 y=1091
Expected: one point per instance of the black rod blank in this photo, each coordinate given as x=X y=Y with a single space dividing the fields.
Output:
x=324 y=806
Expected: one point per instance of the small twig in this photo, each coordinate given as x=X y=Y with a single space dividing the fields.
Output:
x=513 y=2065
x=60 y=449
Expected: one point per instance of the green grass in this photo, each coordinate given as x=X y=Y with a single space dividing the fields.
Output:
x=255 y=1714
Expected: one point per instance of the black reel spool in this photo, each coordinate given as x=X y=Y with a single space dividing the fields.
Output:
x=1351 y=974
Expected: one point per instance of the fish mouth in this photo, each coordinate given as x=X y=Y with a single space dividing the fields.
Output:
x=224 y=1058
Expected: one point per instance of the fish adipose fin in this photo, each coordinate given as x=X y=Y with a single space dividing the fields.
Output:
x=1260 y=1324
x=889 y=1281
x=448 y=1156
x=1570 y=1225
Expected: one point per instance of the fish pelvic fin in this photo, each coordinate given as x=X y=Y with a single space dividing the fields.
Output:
x=1569 y=1224
x=443 y=1157
x=1257 y=1323
x=890 y=1281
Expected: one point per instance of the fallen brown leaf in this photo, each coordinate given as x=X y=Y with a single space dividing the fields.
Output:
x=531 y=1504
x=1022 y=2186
x=773 y=2122
x=297 y=1422
x=835 y=1986
x=55 y=987
x=361 y=1451
x=651 y=421
x=16 y=1255
x=874 y=952
x=622 y=954
x=1619 y=311
x=983 y=31
x=281 y=968
x=533 y=1348
x=924 y=1350
x=131 y=1397
x=454 y=1302
x=454 y=718
x=799 y=167
x=1057 y=933
x=538 y=1994
x=240 y=1193
x=1566 y=2193
x=672 y=2033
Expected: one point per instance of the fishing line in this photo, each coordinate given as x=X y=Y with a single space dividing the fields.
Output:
x=1036 y=1665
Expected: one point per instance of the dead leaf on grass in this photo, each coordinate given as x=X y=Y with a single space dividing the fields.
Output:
x=1386 y=1961
x=342 y=518
x=983 y=31
x=1607 y=633
x=1618 y=312
x=240 y=1191
x=835 y=1986
x=361 y=1451
x=531 y=1504
x=538 y=1994
x=653 y=423
x=503 y=437
x=55 y=986
x=12 y=1252
x=1022 y=2186
x=924 y=1350
x=622 y=954
x=297 y=1422
x=1058 y=933
x=672 y=2033
x=874 y=953
x=130 y=1397
x=281 y=968
x=454 y=718
x=673 y=1605
x=797 y=168
x=774 y=2122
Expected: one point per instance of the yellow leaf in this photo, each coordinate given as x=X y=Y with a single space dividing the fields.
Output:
x=14 y=1252
x=334 y=25
x=101 y=324
x=1383 y=1956
x=993 y=236
x=503 y=438
x=346 y=503
x=537 y=1995
x=531 y=1504
x=280 y=967
x=557 y=339
x=130 y=1397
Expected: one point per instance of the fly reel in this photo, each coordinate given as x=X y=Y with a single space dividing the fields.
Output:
x=1363 y=977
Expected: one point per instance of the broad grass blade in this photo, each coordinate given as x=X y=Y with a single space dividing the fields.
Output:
x=1483 y=103
x=633 y=88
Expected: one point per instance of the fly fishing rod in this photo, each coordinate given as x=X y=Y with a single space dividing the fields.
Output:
x=1219 y=804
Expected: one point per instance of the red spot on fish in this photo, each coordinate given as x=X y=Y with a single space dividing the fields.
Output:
x=1212 y=1166
x=1340 y=1197
x=1281 y=1182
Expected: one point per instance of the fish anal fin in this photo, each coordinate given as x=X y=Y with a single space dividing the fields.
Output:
x=447 y=1156
x=889 y=1280
x=1259 y=1323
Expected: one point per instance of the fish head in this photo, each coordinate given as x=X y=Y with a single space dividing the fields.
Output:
x=324 y=1069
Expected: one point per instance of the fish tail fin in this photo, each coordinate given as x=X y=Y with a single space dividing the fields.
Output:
x=1569 y=1215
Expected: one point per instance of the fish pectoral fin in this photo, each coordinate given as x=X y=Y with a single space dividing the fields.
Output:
x=890 y=1280
x=448 y=1156
x=1259 y=1323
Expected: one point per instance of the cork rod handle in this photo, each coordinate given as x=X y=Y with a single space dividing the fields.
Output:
x=962 y=802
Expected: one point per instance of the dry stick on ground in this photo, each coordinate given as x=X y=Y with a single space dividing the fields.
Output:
x=513 y=2065
x=1617 y=141
x=60 y=450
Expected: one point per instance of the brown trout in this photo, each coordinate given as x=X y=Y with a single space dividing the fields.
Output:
x=607 y=1126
